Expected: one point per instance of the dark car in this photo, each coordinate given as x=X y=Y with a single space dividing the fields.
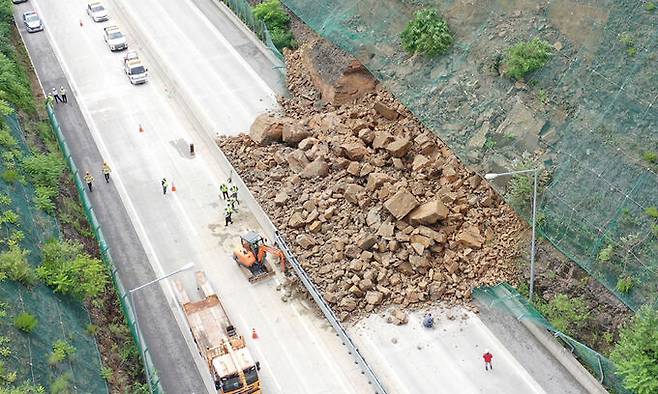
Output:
x=18 y=1
x=32 y=22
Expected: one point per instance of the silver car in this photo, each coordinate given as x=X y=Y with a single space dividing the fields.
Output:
x=32 y=22
x=97 y=12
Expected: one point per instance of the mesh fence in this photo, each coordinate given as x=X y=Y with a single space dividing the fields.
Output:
x=124 y=299
x=242 y=9
x=589 y=116
x=506 y=299
x=59 y=318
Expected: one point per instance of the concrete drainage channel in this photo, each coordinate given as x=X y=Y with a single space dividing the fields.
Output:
x=196 y=116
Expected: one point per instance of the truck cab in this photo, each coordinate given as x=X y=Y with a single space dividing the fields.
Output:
x=115 y=39
x=134 y=69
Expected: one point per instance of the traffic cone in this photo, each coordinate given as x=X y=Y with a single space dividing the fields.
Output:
x=141 y=129
x=173 y=187
x=253 y=334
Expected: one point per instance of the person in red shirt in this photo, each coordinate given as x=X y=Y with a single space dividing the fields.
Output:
x=487 y=356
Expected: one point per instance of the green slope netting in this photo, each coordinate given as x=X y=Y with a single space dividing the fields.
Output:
x=505 y=298
x=588 y=116
x=59 y=317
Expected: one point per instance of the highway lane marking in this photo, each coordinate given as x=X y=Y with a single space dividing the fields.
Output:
x=400 y=386
x=260 y=356
x=139 y=227
x=123 y=192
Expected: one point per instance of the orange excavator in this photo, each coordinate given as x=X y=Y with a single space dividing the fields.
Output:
x=251 y=257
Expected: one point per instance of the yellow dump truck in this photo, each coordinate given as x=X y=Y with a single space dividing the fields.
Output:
x=224 y=350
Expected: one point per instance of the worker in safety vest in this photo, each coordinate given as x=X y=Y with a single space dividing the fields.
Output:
x=228 y=211
x=224 y=189
x=234 y=193
x=164 y=184
x=89 y=179
x=106 y=172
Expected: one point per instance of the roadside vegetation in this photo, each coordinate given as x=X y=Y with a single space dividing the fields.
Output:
x=526 y=57
x=277 y=21
x=427 y=34
x=636 y=353
x=68 y=265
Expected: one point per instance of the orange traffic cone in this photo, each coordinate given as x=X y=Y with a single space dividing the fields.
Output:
x=253 y=333
x=141 y=129
x=173 y=187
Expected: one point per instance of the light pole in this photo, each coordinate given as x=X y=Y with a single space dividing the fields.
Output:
x=142 y=348
x=534 y=217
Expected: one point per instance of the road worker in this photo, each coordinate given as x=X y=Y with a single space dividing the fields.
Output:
x=224 y=189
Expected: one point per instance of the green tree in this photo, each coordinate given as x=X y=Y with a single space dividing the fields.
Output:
x=68 y=270
x=428 y=34
x=636 y=353
x=277 y=21
x=526 y=57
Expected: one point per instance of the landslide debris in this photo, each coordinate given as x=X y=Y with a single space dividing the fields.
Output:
x=375 y=207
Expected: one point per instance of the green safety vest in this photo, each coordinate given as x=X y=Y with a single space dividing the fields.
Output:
x=223 y=187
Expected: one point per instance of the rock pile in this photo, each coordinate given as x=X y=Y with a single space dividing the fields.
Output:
x=377 y=209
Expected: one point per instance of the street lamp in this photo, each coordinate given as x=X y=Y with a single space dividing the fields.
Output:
x=134 y=308
x=534 y=216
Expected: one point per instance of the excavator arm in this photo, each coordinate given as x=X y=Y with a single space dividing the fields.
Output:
x=264 y=249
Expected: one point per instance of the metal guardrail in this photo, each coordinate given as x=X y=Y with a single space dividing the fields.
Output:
x=149 y=367
x=329 y=315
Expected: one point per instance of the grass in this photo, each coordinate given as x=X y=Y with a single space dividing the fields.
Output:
x=650 y=156
x=526 y=57
x=624 y=284
x=26 y=322
x=652 y=212
x=427 y=33
x=62 y=350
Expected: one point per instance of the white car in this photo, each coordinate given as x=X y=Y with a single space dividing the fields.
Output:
x=134 y=68
x=32 y=22
x=97 y=11
x=115 y=39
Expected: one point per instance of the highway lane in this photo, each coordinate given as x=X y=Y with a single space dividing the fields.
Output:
x=298 y=350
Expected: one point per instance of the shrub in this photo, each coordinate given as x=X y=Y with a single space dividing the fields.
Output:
x=13 y=264
x=650 y=6
x=626 y=39
x=91 y=329
x=654 y=230
x=11 y=176
x=43 y=198
x=10 y=217
x=44 y=169
x=62 y=350
x=68 y=270
x=5 y=199
x=7 y=140
x=652 y=212
x=26 y=322
x=428 y=34
x=106 y=373
x=636 y=353
x=650 y=156
x=606 y=253
x=526 y=57
x=624 y=284
x=277 y=20
x=25 y=388
x=519 y=190
x=61 y=385
x=565 y=313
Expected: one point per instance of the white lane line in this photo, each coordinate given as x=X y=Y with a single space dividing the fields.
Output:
x=264 y=364
x=139 y=227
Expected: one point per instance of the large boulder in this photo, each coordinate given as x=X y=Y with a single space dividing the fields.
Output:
x=294 y=132
x=353 y=193
x=401 y=204
x=429 y=213
x=376 y=179
x=267 y=129
x=386 y=111
x=374 y=297
x=354 y=150
x=297 y=160
x=316 y=168
x=470 y=237
x=399 y=147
